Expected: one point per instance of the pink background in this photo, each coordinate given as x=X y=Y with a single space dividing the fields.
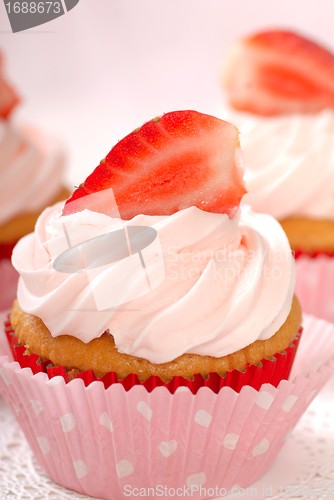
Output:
x=98 y=72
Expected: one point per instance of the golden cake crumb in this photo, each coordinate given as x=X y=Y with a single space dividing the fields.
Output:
x=101 y=355
x=24 y=224
x=309 y=235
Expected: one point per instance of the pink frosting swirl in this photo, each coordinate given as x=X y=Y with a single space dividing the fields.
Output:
x=289 y=162
x=227 y=282
x=31 y=170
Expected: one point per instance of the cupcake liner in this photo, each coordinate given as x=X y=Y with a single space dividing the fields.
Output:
x=8 y=277
x=313 y=255
x=315 y=285
x=108 y=442
x=267 y=371
x=6 y=250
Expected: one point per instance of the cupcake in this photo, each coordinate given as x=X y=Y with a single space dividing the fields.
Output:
x=31 y=170
x=280 y=94
x=153 y=283
x=146 y=336
x=280 y=90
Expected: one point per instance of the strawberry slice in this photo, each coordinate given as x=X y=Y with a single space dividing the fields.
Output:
x=276 y=72
x=179 y=160
x=8 y=97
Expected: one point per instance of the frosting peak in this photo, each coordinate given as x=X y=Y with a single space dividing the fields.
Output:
x=31 y=170
x=223 y=284
x=289 y=163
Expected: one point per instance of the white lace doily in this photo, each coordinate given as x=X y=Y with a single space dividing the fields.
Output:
x=304 y=468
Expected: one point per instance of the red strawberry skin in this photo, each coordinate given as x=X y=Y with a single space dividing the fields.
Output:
x=179 y=160
x=8 y=96
x=277 y=72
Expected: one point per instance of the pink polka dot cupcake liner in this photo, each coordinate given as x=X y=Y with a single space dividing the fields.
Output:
x=8 y=277
x=270 y=371
x=315 y=284
x=114 y=443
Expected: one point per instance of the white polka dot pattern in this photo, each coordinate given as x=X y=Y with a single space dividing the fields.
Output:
x=264 y=400
x=37 y=406
x=16 y=409
x=182 y=388
x=106 y=422
x=289 y=403
x=203 y=418
x=196 y=479
x=230 y=441
x=5 y=376
x=167 y=448
x=82 y=435
x=310 y=395
x=261 y=448
x=44 y=445
x=68 y=422
x=144 y=410
x=55 y=381
x=124 y=468
x=80 y=469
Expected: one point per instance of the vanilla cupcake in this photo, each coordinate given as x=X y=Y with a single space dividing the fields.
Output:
x=213 y=311
x=280 y=94
x=152 y=275
x=31 y=178
x=172 y=330
x=31 y=171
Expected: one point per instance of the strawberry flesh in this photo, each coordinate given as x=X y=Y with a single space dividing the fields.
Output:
x=182 y=159
x=277 y=72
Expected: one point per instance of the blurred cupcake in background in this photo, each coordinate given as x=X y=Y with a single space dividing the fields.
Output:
x=8 y=96
x=279 y=88
x=31 y=177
